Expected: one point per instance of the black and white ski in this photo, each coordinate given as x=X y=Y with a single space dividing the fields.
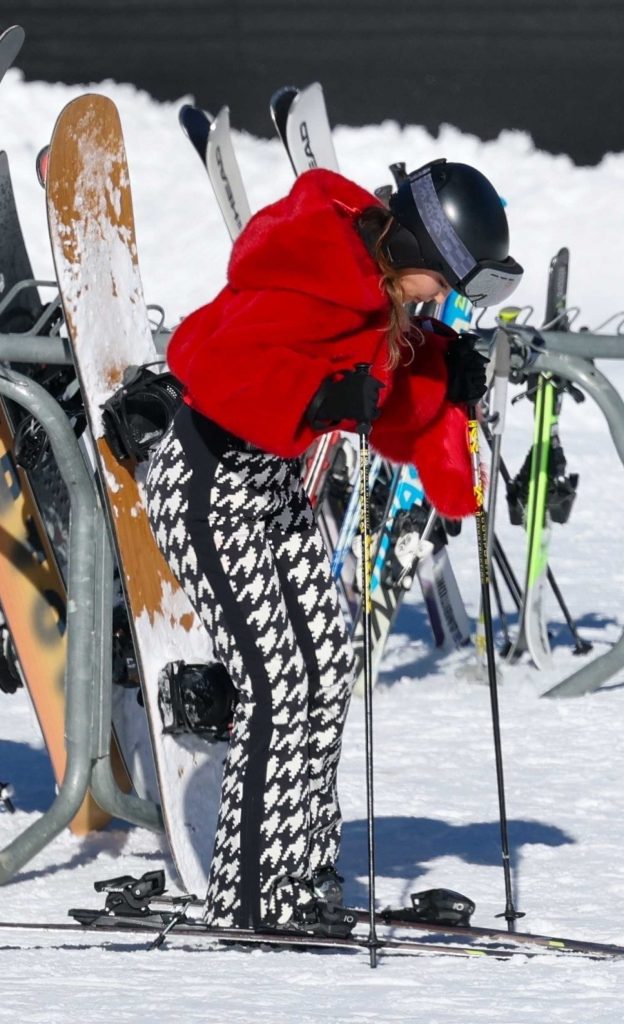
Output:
x=300 y=118
x=212 y=140
x=11 y=42
x=139 y=908
x=110 y=930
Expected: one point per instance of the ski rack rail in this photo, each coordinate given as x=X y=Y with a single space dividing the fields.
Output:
x=566 y=354
x=88 y=683
x=571 y=356
x=43 y=341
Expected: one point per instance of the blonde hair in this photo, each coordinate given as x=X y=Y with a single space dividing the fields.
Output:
x=375 y=224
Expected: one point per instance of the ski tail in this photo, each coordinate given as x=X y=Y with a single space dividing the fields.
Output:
x=280 y=104
x=212 y=140
x=301 y=121
x=195 y=123
x=555 y=315
x=11 y=42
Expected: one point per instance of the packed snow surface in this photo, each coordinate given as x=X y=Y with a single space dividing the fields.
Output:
x=436 y=803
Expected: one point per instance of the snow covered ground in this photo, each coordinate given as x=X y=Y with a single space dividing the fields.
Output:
x=435 y=781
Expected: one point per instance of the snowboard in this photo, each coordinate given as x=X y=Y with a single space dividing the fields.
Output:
x=92 y=234
x=21 y=310
x=33 y=597
x=130 y=731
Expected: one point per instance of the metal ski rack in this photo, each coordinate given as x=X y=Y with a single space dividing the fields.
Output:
x=43 y=342
x=88 y=672
x=571 y=356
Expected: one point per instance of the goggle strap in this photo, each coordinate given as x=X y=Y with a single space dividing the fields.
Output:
x=439 y=228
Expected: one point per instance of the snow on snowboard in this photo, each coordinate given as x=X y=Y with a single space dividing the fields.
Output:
x=91 y=226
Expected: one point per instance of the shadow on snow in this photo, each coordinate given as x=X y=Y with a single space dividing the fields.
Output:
x=406 y=846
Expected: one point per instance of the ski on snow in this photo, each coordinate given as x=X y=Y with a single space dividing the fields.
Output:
x=206 y=936
x=460 y=940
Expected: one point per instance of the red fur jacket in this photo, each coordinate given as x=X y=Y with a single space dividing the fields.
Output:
x=303 y=301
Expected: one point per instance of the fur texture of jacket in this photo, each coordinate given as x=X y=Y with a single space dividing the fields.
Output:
x=303 y=302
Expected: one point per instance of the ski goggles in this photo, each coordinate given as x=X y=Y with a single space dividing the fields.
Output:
x=483 y=282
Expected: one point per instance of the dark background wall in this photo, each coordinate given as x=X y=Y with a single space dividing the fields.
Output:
x=551 y=67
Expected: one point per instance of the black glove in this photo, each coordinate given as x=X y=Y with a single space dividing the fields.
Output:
x=353 y=396
x=466 y=370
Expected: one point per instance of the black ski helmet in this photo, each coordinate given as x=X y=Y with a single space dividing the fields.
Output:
x=452 y=220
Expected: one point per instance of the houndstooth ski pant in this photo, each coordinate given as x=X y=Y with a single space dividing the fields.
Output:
x=238 y=532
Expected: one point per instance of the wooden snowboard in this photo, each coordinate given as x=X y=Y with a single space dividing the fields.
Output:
x=32 y=590
x=93 y=242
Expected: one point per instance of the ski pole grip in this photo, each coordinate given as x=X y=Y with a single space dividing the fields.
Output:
x=363 y=369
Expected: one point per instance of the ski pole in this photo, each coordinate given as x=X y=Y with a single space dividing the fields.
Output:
x=580 y=646
x=500 y=557
x=499 y=606
x=510 y=913
x=497 y=410
x=363 y=432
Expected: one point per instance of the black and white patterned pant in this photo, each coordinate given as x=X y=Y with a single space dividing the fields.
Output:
x=237 y=530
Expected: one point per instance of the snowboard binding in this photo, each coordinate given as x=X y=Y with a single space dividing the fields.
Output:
x=10 y=679
x=436 y=906
x=560 y=495
x=125 y=668
x=197 y=699
x=31 y=446
x=139 y=414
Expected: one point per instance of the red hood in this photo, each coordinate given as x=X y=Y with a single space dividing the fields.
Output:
x=324 y=258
